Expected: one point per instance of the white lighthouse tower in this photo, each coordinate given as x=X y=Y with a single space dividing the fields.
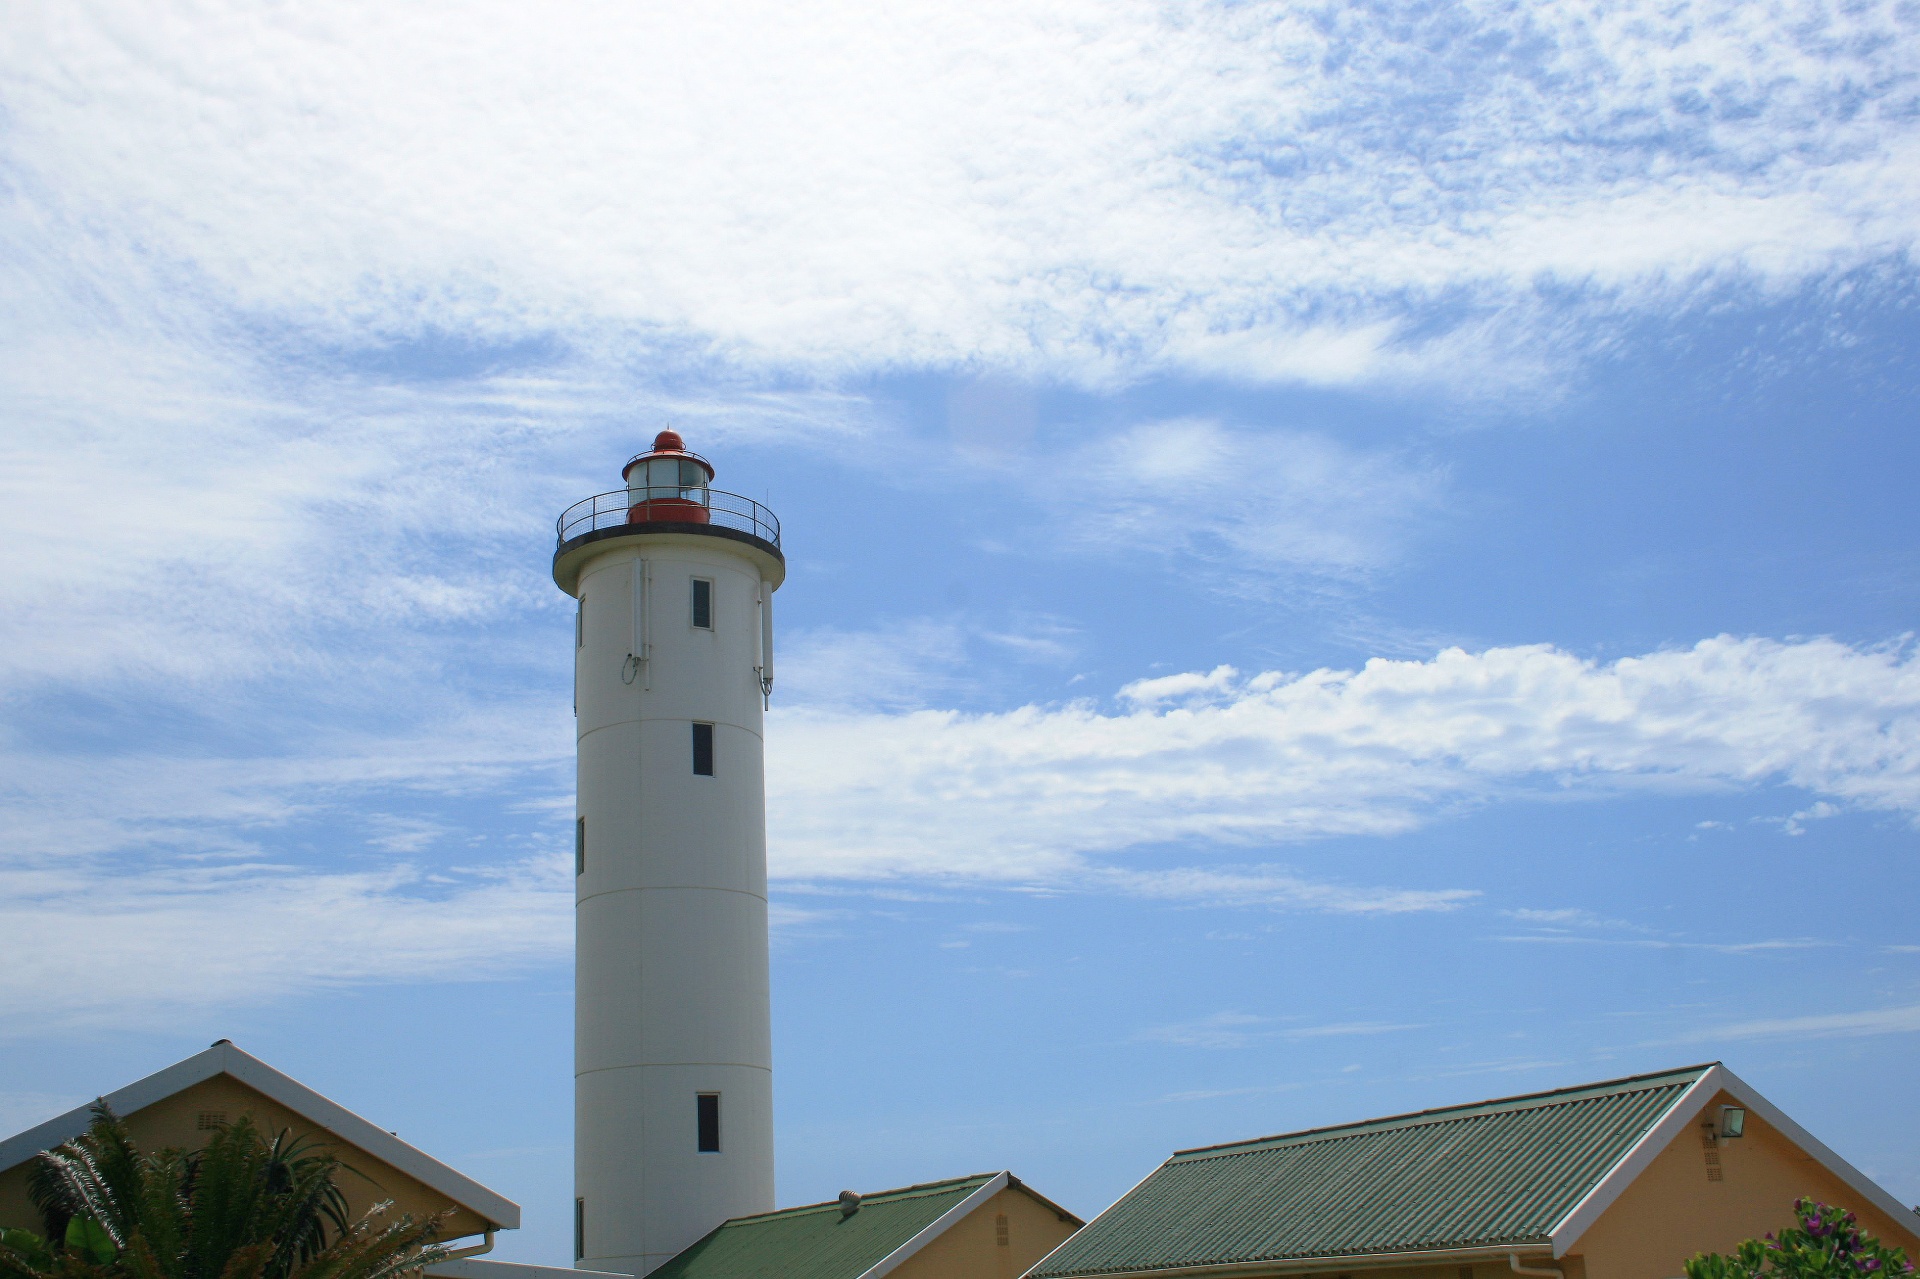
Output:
x=673 y=1063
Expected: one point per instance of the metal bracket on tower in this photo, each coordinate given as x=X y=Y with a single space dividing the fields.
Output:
x=765 y=669
x=639 y=649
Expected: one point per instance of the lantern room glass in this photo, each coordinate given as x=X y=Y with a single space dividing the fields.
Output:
x=668 y=477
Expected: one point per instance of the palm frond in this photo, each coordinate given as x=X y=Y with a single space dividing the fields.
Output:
x=97 y=1175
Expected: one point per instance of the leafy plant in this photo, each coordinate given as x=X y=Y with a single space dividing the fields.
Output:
x=245 y=1206
x=1826 y=1244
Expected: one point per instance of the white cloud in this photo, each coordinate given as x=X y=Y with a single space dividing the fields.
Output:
x=1089 y=187
x=1041 y=793
x=1560 y=915
x=1276 y=886
x=1796 y=823
x=154 y=849
x=1220 y=1030
x=139 y=950
x=1663 y=943
x=1879 y=1021
x=1252 y=500
x=141 y=886
x=1185 y=687
x=1346 y=1029
x=1238 y=1030
x=911 y=664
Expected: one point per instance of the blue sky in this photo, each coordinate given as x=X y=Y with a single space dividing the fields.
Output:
x=1344 y=558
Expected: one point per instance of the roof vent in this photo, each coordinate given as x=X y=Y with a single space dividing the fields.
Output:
x=849 y=1204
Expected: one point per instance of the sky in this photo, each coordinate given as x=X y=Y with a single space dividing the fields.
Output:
x=1342 y=558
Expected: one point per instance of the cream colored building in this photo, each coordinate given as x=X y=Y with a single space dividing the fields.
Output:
x=1625 y=1179
x=183 y=1105
x=990 y=1226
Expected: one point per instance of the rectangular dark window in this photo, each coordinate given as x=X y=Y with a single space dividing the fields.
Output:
x=579 y=1229
x=703 y=750
x=579 y=845
x=580 y=624
x=706 y=1117
x=702 y=604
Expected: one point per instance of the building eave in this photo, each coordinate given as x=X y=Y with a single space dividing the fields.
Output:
x=1683 y=1113
x=223 y=1058
x=1344 y=1262
x=937 y=1227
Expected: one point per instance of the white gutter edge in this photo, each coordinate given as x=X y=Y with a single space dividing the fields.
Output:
x=470 y=1269
x=138 y=1095
x=1839 y=1167
x=1103 y=1212
x=1567 y=1231
x=934 y=1229
x=1302 y=1266
x=224 y=1058
x=1717 y=1079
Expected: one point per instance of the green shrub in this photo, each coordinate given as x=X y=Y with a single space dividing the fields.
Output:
x=1827 y=1244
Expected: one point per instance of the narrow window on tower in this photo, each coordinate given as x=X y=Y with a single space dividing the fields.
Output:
x=580 y=623
x=706 y=1117
x=703 y=750
x=579 y=846
x=702 y=604
x=579 y=1229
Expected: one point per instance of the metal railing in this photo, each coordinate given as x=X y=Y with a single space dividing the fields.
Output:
x=610 y=510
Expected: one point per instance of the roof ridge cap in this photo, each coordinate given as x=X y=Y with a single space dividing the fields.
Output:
x=904 y=1192
x=1437 y=1114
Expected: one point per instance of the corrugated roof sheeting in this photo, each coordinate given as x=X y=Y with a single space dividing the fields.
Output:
x=1474 y=1176
x=817 y=1242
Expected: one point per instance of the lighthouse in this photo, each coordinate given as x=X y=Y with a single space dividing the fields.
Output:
x=673 y=663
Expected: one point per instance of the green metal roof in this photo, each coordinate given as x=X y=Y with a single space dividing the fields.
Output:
x=1485 y=1175
x=817 y=1242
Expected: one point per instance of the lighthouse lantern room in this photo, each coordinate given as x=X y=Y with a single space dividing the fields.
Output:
x=668 y=483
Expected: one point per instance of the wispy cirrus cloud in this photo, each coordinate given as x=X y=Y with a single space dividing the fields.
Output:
x=1257 y=500
x=1250 y=190
x=148 y=958
x=1226 y=1030
x=1842 y=1025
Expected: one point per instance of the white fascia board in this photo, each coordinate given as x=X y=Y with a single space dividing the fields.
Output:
x=477 y=1268
x=1630 y=1165
x=1716 y=1080
x=138 y=1095
x=224 y=1058
x=936 y=1228
x=1112 y=1207
x=1846 y=1172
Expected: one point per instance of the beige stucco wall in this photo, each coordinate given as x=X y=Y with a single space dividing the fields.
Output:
x=1672 y=1211
x=971 y=1249
x=174 y=1121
